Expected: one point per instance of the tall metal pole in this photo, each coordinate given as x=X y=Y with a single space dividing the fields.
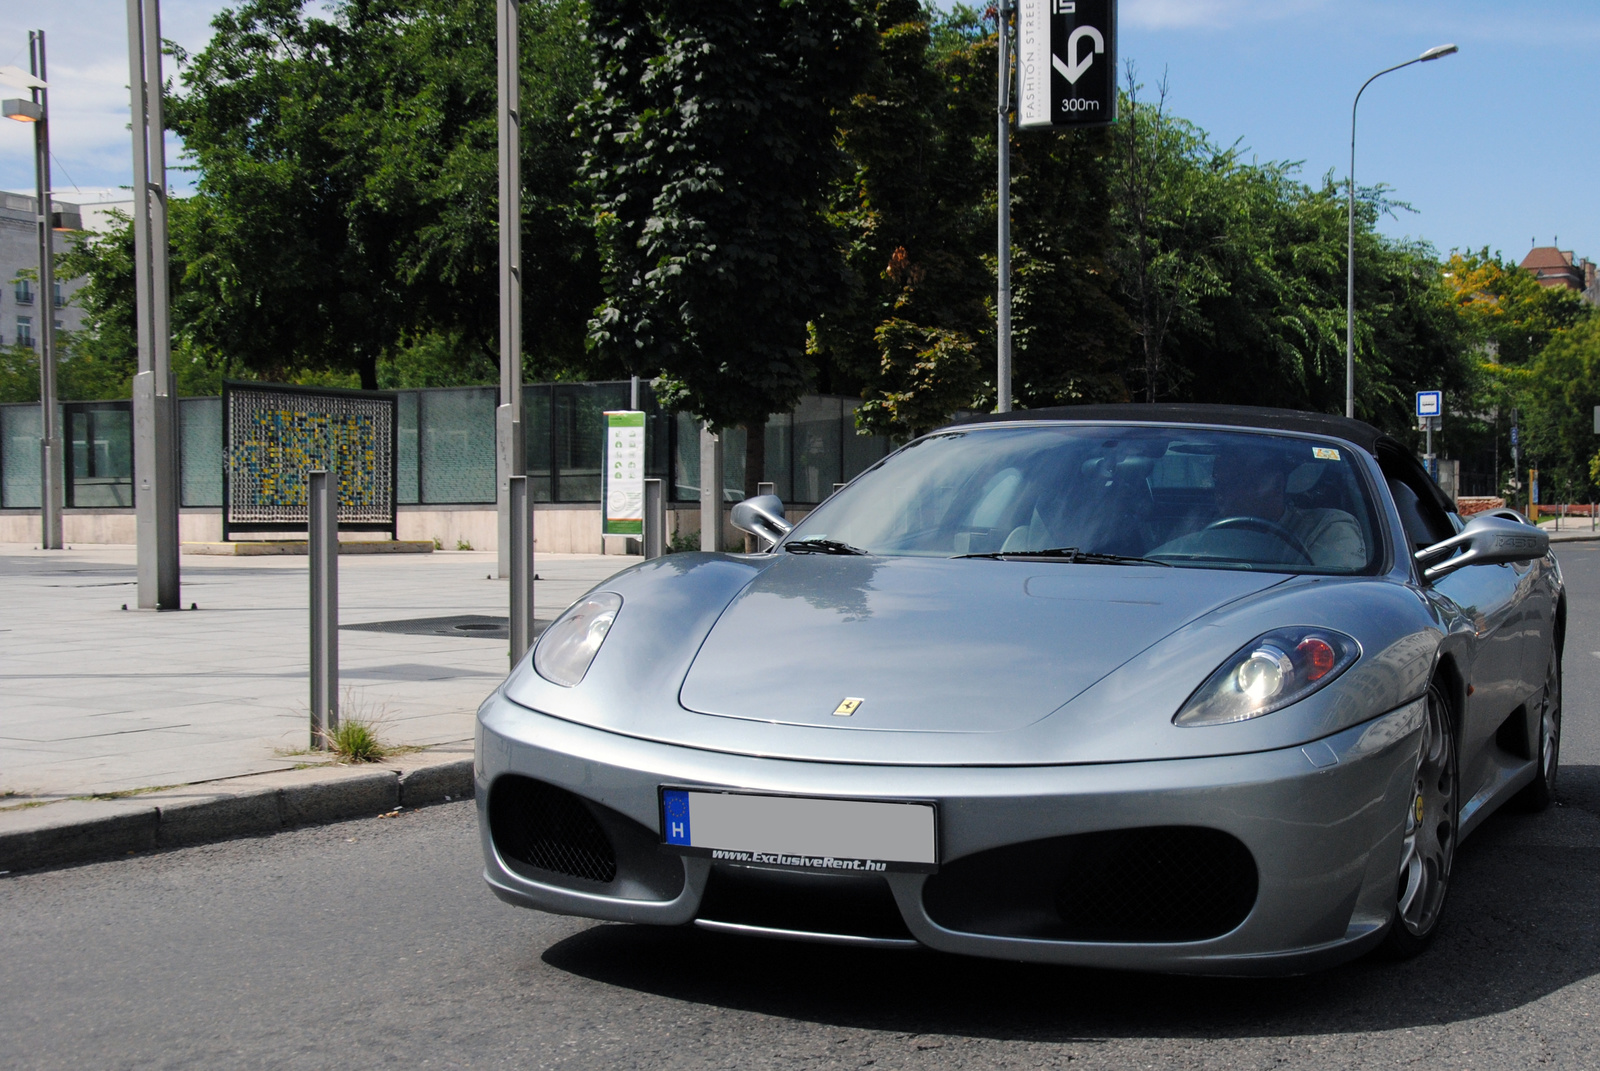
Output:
x=1003 y=261
x=155 y=458
x=1350 y=249
x=323 y=550
x=51 y=472
x=511 y=451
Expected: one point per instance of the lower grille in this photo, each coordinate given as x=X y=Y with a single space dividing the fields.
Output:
x=549 y=828
x=845 y=904
x=1166 y=884
x=1159 y=884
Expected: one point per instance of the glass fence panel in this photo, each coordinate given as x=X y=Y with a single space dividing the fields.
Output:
x=658 y=432
x=686 y=460
x=19 y=456
x=733 y=447
x=816 y=447
x=406 y=491
x=456 y=444
x=780 y=455
x=578 y=442
x=537 y=399
x=100 y=451
x=860 y=451
x=200 y=453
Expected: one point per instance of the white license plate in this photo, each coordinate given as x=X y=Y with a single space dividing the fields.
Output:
x=804 y=832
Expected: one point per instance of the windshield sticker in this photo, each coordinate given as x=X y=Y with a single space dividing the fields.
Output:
x=1324 y=453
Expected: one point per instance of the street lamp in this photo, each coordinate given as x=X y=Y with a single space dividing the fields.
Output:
x=1350 y=257
x=36 y=111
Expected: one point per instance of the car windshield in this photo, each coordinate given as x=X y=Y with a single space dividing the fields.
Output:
x=1072 y=492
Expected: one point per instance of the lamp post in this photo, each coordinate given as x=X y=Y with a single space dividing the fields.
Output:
x=155 y=457
x=37 y=111
x=1350 y=254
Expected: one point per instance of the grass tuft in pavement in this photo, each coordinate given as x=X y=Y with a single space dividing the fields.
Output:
x=356 y=740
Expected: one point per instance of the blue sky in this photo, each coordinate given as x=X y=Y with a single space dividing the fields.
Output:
x=1495 y=146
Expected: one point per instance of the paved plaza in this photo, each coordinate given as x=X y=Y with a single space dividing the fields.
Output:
x=96 y=699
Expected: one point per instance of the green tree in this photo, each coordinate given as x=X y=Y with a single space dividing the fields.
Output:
x=710 y=145
x=346 y=194
x=912 y=208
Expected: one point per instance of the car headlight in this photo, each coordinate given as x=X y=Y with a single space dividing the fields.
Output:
x=1269 y=673
x=568 y=647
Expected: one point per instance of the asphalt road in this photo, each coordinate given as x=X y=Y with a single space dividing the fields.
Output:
x=374 y=944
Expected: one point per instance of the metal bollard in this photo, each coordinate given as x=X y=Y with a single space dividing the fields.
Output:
x=521 y=569
x=655 y=519
x=323 y=548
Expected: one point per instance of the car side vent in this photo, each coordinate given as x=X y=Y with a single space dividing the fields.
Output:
x=1156 y=884
x=549 y=828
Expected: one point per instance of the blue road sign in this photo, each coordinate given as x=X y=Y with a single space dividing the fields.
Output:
x=1430 y=403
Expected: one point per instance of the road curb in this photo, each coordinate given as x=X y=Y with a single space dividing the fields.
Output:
x=84 y=830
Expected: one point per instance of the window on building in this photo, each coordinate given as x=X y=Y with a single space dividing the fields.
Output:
x=58 y=325
x=24 y=292
x=25 y=330
x=60 y=301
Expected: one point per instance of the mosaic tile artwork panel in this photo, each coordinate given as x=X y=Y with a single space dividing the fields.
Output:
x=278 y=437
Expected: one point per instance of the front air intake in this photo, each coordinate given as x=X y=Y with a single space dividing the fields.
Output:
x=548 y=828
x=1171 y=883
x=1156 y=884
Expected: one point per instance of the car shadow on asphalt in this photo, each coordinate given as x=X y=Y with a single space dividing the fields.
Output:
x=1521 y=925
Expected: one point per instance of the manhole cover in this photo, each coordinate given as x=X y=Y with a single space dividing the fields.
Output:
x=473 y=626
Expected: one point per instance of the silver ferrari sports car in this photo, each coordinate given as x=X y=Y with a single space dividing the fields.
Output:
x=1180 y=688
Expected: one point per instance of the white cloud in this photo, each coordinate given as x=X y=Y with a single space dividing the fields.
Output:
x=87 y=53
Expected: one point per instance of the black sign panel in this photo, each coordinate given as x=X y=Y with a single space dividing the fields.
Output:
x=1067 y=62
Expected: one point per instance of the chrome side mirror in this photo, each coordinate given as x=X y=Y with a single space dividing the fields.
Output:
x=1488 y=539
x=761 y=516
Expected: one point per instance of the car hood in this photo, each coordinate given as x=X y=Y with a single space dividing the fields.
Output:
x=934 y=644
x=751 y=654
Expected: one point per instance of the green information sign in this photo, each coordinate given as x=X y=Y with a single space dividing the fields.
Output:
x=624 y=491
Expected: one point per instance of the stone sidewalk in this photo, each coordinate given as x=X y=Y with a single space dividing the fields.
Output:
x=96 y=700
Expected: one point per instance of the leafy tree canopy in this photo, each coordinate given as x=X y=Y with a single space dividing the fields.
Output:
x=709 y=145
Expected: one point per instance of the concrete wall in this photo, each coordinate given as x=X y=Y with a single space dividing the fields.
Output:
x=557 y=529
x=574 y=530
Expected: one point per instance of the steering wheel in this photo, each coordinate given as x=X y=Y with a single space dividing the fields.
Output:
x=1265 y=527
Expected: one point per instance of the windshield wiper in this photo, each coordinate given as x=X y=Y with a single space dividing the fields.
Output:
x=821 y=546
x=1072 y=555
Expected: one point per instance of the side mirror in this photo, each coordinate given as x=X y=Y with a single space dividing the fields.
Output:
x=761 y=516
x=1488 y=539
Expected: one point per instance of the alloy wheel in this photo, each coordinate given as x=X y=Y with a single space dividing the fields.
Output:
x=1430 y=833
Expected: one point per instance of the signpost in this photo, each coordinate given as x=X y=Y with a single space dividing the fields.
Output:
x=624 y=491
x=1430 y=414
x=1516 y=483
x=1066 y=68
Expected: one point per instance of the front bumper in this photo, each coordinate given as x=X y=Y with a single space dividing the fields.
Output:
x=1323 y=823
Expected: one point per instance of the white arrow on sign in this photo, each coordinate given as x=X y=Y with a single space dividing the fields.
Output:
x=1072 y=70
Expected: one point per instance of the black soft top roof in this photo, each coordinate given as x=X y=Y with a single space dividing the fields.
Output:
x=1358 y=432
x=1394 y=455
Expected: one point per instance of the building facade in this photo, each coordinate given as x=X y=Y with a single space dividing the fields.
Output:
x=1559 y=267
x=22 y=307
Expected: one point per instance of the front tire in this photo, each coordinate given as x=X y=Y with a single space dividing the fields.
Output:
x=1542 y=792
x=1429 y=847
